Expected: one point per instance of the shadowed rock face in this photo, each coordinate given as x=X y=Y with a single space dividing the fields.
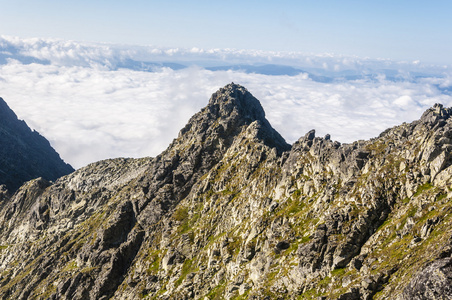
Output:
x=25 y=154
x=433 y=282
x=231 y=211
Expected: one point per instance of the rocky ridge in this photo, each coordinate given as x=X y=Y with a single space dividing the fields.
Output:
x=231 y=211
x=25 y=154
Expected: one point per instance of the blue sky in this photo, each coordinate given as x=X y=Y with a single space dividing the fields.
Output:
x=399 y=30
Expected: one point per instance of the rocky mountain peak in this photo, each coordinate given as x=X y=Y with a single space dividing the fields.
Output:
x=435 y=114
x=24 y=153
x=221 y=214
x=234 y=99
x=6 y=114
x=229 y=112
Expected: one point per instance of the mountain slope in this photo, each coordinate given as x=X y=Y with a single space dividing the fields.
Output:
x=25 y=154
x=231 y=211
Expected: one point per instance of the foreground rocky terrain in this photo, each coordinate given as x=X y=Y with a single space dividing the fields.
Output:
x=25 y=154
x=231 y=211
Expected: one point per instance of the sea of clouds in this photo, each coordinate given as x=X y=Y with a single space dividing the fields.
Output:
x=98 y=101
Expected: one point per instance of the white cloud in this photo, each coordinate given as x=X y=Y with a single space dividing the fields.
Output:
x=90 y=112
x=110 y=56
x=404 y=101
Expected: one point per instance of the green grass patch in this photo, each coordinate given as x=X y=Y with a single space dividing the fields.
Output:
x=441 y=196
x=292 y=249
x=309 y=294
x=422 y=188
x=187 y=267
x=234 y=246
x=338 y=272
x=181 y=213
x=296 y=195
x=305 y=239
x=295 y=207
x=187 y=222
x=386 y=222
x=217 y=292
x=155 y=263
x=412 y=212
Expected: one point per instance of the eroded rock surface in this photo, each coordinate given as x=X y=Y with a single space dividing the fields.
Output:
x=231 y=211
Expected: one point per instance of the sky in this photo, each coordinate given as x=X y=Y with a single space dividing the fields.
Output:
x=399 y=30
x=113 y=79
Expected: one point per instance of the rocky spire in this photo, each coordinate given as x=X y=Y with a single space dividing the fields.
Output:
x=234 y=99
x=230 y=110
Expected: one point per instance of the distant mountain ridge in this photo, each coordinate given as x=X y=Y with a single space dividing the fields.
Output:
x=231 y=211
x=24 y=153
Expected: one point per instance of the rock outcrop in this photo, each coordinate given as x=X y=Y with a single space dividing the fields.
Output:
x=25 y=154
x=231 y=211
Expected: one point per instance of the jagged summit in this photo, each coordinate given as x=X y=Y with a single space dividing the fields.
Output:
x=230 y=111
x=235 y=99
x=24 y=153
x=436 y=113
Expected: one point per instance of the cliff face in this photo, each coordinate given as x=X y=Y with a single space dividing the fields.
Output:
x=25 y=154
x=231 y=211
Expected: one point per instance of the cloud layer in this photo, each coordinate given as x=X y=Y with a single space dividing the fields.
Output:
x=91 y=110
x=111 y=56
